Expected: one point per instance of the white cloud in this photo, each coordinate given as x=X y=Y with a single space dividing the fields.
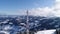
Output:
x=57 y=8
x=57 y=4
x=57 y=0
x=46 y=11
x=42 y=11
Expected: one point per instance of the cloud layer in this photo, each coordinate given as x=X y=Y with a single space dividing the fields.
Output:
x=57 y=8
x=47 y=11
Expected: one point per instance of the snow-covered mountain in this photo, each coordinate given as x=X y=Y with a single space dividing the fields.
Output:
x=53 y=31
x=36 y=23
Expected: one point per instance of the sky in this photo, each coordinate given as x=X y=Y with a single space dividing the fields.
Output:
x=23 y=4
x=35 y=7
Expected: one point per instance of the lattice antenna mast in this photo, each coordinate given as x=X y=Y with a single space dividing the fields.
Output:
x=27 y=22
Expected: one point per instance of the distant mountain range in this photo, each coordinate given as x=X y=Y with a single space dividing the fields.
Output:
x=36 y=23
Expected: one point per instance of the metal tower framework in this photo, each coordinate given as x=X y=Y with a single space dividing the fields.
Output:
x=27 y=23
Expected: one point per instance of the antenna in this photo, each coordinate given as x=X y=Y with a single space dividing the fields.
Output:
x=27 y=23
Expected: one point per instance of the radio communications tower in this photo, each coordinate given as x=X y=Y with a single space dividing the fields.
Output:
x=27 y=23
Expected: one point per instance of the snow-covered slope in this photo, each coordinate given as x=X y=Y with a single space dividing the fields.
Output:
x=46 y=32
x=4 y=32
x=18 y=24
